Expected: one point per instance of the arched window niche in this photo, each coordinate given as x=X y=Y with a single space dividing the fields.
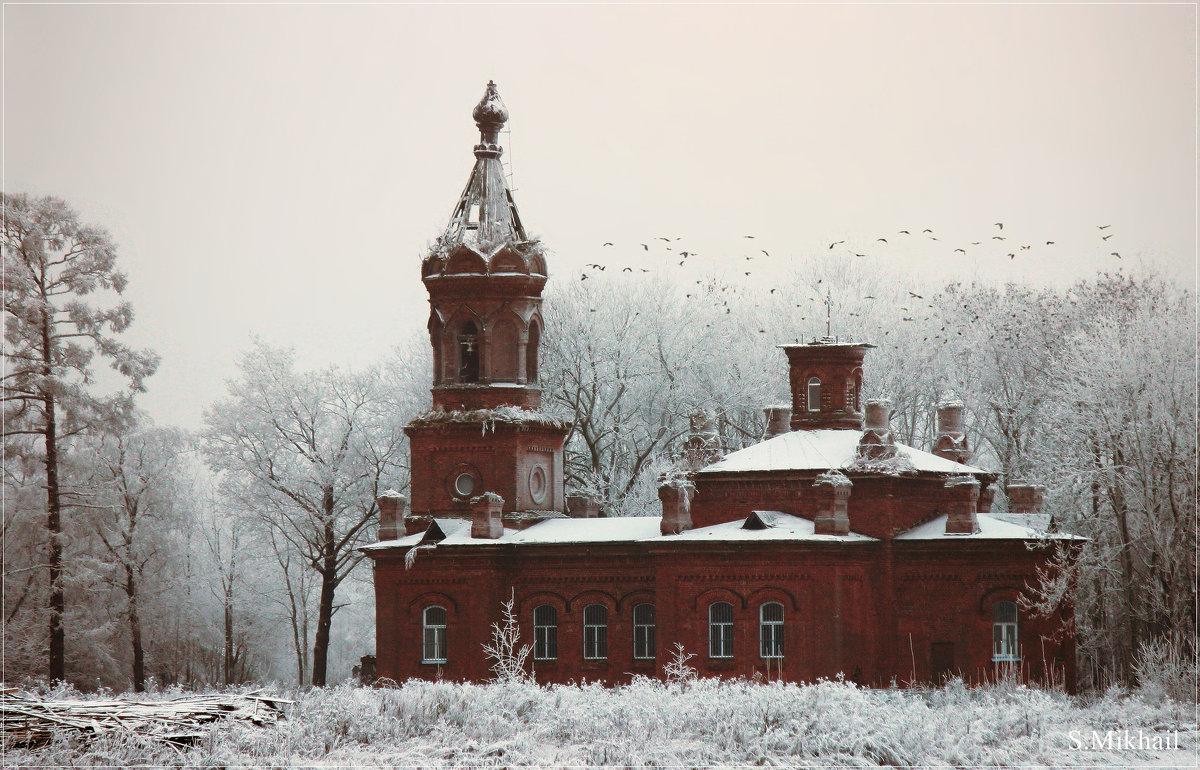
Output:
x=468 y=352
x=531 y=351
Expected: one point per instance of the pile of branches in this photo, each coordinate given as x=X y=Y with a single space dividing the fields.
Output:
x=29 y=721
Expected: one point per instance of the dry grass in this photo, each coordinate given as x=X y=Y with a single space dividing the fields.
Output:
x=651 y=723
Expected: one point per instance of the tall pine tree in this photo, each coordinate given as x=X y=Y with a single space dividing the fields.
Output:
x=62 y=310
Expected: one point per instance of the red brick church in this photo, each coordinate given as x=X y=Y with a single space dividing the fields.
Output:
x=827 y=548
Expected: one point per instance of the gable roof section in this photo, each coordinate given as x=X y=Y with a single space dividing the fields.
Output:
x=800 y=450
x=990 y=528
x=764 y=526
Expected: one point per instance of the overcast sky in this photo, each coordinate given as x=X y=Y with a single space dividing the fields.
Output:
x=278 y=169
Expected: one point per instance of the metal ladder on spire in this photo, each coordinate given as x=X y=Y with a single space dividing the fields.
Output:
x=506 y=158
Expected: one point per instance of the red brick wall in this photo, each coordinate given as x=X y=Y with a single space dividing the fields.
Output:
x=879 y=506
x=502 y=456
x=849 y=609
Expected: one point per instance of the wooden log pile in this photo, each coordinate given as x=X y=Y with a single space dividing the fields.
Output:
x=29 y=721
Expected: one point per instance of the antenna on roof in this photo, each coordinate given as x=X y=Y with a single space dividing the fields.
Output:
x=828 y=313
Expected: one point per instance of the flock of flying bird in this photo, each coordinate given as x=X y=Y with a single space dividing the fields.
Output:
x=909 y=314
x=686 y=254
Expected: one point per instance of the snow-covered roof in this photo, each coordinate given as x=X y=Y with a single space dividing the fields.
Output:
x=759 y=526
x=990 y=528
x=776 y=526
x=553 y=531
x=800 y=450
x=1038 y=521
x=623 y=528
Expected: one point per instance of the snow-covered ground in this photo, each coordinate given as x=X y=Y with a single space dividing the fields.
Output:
x=694 y=723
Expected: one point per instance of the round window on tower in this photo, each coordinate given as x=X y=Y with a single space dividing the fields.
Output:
x=464 y=485
x=538 y=484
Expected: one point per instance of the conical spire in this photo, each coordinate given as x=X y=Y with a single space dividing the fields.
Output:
x=486 y=215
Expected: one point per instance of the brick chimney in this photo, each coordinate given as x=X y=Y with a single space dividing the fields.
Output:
x=1025 y=505
x=392 y=510
x=950 y=442
x=703 y=444
x=486 y=516
x=962 y=496
x=987 y=496
x=676 y=496
x=877 y=442
x=583 y=507
x=1025 y=498
x=832 y=490
x=826 y=381
x=779 y=420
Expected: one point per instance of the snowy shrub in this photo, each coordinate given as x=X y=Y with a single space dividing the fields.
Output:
x=506 y=650
x=654 y=723
x=1167 y=668
x=677 y=668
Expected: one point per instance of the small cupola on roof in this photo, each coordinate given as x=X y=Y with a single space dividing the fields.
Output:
x=826 y=380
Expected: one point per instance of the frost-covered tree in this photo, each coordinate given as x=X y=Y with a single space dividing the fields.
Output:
x=62 y=313
x=617 y=362
x=306 y=454
x=141 y=493
x=1118 y=455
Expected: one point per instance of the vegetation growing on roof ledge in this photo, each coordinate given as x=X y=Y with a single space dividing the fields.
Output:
x=511 y=415
x=898 y=464
x=484 y=243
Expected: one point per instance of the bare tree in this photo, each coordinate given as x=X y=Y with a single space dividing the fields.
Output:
x=307 y=453
x=139 y=494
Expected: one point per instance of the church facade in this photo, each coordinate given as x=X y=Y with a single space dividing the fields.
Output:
x=826 y=549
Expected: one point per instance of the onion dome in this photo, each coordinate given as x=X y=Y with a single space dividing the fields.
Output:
x=491 y=110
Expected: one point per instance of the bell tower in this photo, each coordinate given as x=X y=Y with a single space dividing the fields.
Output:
x=485 y=277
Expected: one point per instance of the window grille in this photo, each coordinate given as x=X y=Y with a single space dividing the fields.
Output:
x=433 y=648
x=770 y=630
x=595 y=632
x=643 y=632
x=1004 y=632
x=720 y=630
x=545 y=633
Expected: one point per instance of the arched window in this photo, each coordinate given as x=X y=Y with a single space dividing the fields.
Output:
x=814 y=394
x=545 y=633
x=720 y=630
x=531 y=351
x=433 y=648
x=770 y=630
x=1004 y=632
x=643 y=632
x=595 y=632
x=468 y=353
